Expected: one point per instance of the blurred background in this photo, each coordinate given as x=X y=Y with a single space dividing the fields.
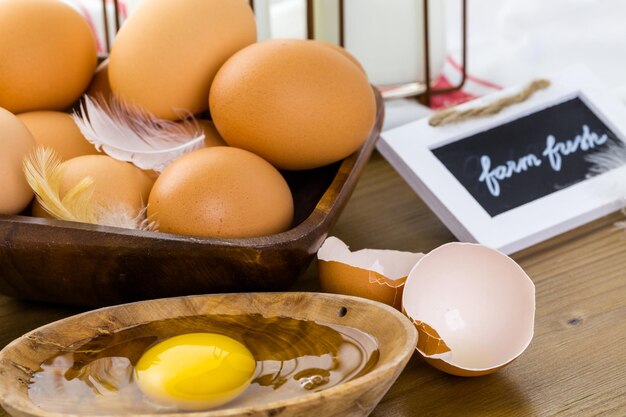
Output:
x=509 y=41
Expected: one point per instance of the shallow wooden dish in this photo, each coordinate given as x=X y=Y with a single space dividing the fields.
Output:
x=80 y=264
x=395 y=334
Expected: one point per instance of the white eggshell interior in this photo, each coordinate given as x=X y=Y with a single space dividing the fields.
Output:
x=389 y=263
x=479 y=300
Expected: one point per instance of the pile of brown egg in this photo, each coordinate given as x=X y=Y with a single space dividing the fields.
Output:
x=264 y=107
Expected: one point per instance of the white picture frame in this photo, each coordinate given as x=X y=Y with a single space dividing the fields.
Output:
x=408 y=149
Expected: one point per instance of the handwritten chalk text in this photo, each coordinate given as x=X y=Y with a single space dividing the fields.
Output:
x=554 y=152
x=491 y=177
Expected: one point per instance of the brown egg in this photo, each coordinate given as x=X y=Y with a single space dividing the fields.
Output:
x=58 y=131
x=167 y=53
x=342 y=51
x=16 y=143
x=47 y=55
x=221 y=192
x=212 y=136
x=100 y=86
x=116 y=184
x=298 y=104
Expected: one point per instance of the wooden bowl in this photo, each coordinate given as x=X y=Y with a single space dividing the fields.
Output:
x=395 y=334
x=82 y=264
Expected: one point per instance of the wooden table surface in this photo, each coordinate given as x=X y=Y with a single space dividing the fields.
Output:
x=576 y=364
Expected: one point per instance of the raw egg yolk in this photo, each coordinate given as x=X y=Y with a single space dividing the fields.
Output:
x=195 y=371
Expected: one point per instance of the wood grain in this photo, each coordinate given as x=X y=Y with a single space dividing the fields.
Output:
x=396 y=337
x=576 y=364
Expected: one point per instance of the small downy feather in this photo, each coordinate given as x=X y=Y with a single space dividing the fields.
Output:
x=132 y=135
x=44 y=171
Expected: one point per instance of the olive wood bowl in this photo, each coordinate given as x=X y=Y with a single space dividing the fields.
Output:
x=395 y=334
x=90 y=265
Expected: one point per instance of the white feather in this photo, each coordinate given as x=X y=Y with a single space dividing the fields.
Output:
x=612 y=157
x=130 y=134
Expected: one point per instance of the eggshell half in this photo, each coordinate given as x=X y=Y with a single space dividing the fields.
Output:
x=47 y=55
x=375 y=274
x=167 y=53
x=474 y=308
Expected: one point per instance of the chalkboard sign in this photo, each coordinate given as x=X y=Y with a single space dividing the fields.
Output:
x=521 y=176
x=528 y=158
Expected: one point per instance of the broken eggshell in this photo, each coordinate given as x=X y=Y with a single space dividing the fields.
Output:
x=375 y=274
x=474 y=308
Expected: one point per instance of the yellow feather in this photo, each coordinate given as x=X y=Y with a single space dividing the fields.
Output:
x=44 y=171
x=78 y=201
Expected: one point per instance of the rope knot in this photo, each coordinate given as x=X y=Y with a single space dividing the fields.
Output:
x=453 y=115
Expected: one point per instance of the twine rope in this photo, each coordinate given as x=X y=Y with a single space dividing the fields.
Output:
x=455 y=116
